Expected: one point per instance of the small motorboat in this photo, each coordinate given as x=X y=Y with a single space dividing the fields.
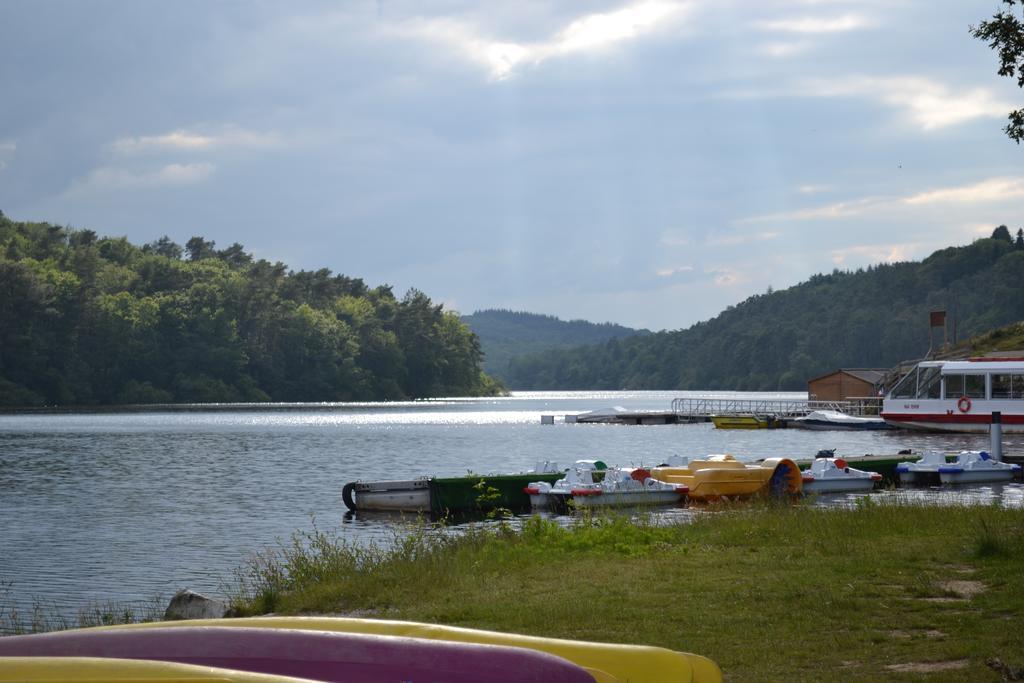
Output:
x=833 y=419
x=975 y=467
x=923 y=472
x=834 y=475
x=589 y=483
x=723 y=476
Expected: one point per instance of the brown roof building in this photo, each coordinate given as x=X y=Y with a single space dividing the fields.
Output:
x=846 y=383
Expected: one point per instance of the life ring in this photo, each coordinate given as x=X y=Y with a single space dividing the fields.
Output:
x=964 y=404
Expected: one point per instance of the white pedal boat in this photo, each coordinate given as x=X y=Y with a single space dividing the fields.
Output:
x=587 y=485
x=834 y=475
x=924 y=471
x=975 y=467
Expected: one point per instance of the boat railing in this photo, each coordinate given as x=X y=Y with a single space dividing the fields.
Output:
x=698 y=407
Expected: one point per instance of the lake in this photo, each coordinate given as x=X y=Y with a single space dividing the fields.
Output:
x=127 y=506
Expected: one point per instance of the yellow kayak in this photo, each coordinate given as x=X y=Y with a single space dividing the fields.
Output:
x=718 y=476
x=98 y=670
x=606 y=662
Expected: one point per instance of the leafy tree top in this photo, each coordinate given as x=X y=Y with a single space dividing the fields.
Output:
x=1004 y=33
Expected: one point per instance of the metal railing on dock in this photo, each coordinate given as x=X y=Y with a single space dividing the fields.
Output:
x=698 y=408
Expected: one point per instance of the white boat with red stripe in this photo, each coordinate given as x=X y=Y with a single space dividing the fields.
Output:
x=958 y=396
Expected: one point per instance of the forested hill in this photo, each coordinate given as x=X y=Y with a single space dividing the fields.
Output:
x=506 y=334
x=87 y=320
x=872 y=317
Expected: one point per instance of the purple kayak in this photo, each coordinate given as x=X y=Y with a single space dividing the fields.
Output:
x=314 y=655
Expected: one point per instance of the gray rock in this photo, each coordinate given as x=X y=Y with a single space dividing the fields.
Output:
x=188 y=605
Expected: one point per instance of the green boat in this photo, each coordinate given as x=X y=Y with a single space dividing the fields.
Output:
x=441 y=495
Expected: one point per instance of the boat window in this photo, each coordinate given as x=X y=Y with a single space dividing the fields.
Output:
x=907 y=387
x=929 y=383
x=1008 y=386
x=954 y=385
x=974 y=386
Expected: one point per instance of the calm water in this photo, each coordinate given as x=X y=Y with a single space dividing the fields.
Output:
x=128 y=506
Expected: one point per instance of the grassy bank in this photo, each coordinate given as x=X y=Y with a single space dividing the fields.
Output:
x=770 y=592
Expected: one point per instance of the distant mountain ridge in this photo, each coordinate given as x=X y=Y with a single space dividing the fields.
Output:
x=871 y=317
x=506 y=334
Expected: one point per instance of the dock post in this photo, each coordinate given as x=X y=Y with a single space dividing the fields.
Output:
x=996 y=430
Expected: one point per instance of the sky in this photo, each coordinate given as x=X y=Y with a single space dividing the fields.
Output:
x=643 y=162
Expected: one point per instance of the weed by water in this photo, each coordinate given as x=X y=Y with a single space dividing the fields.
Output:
x=41 y=617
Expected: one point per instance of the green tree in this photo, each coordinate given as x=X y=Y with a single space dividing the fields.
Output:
x=1002 y=233
x=1004 y=33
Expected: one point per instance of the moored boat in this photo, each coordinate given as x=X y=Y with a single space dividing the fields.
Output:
x=590 y=483
x=741 y=421
x=958 y=396
x=834 y=475
x=440 y=495
x=923 y=472
x=722 y=476
x=976 y=467
x=313 y=655
x=834 y=419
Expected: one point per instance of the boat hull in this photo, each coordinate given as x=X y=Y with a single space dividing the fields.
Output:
x=337 y=657
x=634 y=663
x=713 y=479
x=974 y=476
x=439 y=495
x=562 y=499
x=739 y=422
x=838 y=485
x=104 y=670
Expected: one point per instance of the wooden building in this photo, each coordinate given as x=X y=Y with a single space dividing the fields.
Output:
x=846 y=383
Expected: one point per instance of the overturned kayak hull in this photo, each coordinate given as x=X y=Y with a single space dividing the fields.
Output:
x=605 y=661
x=314 y=655
x=103 y=670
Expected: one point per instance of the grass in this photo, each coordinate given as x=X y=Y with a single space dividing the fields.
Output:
x=770 y=592
x=40 y=617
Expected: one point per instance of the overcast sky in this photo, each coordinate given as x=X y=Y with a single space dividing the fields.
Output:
x=647 y=163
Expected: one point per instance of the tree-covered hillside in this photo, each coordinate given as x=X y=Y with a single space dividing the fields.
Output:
x=505 y=335
x=89 y=320
x=873 y=317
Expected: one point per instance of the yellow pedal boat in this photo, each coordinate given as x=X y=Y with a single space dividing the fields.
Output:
x=723 y=476
x=606 y=662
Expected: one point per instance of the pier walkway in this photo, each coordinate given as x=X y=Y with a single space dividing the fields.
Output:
x=699 y=409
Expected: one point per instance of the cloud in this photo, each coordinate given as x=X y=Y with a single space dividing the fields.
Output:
x=991 y=190
x=671 y=272
x=726 y=277
x=190 y=141
x=829 y=211
x=985 y=191
x=588 y=33
x=737 y=240
x=815 y=25
x=109 y=178
x=929 y=104
x=813 y=189
x=7 y=149
x=877 y=253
